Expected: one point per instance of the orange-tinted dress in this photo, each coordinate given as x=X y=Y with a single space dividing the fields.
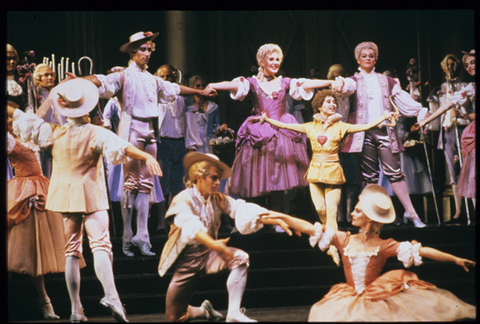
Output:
x=396 y=295
x=36 y=241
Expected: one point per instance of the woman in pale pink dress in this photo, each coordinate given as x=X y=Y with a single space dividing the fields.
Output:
x=368 y=295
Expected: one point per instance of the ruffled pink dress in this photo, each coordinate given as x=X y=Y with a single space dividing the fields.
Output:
x=396 y=295
x=36 y=240
x=267 y=158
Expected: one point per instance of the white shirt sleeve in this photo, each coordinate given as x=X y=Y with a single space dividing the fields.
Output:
x=30 y=127
x=297 y=92
x=409 y=254
x=243 y=89
x=167 y=91
x=110 y=84
x=406 y=105
x=246 y=215
x=111 y=146
x=190 y=225
x=349 y=86
x=192 y=136
x=10 y=143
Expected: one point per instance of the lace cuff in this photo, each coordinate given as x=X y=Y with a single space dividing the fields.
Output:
x=243 y=89
x=463 y=96
x=409 y=254
x=190 y=225
x=108 y=89
x=323 y=238
x=297 y=92
x=246 y=216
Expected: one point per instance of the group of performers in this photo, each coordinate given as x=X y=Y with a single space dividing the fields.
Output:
x=271 y=157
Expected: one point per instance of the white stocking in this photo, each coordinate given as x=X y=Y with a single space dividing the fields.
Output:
x=236 y=283
x=104 y=272
x=400 y=189
x=72 y=278
x=127 y=213
x=39 y=284
x=458 y=201
x=142 y=206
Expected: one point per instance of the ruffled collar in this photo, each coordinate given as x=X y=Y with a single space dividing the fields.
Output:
x=330 y=120
x=135 y=66
x=362 y=71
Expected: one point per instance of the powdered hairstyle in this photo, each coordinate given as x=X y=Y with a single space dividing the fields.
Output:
x=333 y=68
x=263 y=52
x=366 y=45
x=37 y=74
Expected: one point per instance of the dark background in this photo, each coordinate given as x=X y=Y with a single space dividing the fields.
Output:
x=223 y=44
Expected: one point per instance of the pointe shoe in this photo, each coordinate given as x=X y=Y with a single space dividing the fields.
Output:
x=416 y=221
x=77 y=318
x=126 y=248
x=48 y=313
x=143 y=246
x=239 y=317
x=118 y=311
x=333 y=252
x=210 y=313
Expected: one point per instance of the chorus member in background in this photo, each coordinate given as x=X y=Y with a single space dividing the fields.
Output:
x=465 y=97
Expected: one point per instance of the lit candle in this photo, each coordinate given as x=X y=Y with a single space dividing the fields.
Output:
x=44 y=60
x=53 y=62
x=66 y=64
x=73 y=67
x=59 y=74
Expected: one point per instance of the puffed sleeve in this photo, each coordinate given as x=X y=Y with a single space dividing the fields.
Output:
x=246 y=215
x=190 y=225
x=10 y=143
x=349 y=86
x=464 y=96
x=30 y=127
x=110 y=84
x=406 y=105
x=167 y=91
x=409 y=254
x=297 y=92
x=111 y=146
x=243 y=89
x=323 y=238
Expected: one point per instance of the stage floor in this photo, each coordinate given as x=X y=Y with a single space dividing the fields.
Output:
x=281 y=314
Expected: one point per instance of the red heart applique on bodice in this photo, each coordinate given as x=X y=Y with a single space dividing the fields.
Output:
x=322 y=139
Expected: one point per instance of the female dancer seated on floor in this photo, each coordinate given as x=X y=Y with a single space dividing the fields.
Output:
x=397 y=295
x=325 y=174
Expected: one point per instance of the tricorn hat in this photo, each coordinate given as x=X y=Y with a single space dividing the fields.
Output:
x=194 y=157
x=74 y=98
x=140 y=38
x=376 y=204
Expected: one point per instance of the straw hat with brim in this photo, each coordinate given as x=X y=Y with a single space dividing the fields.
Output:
x=377 y=205
x=194 y=157
x=74 y=98
x=140 y=38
